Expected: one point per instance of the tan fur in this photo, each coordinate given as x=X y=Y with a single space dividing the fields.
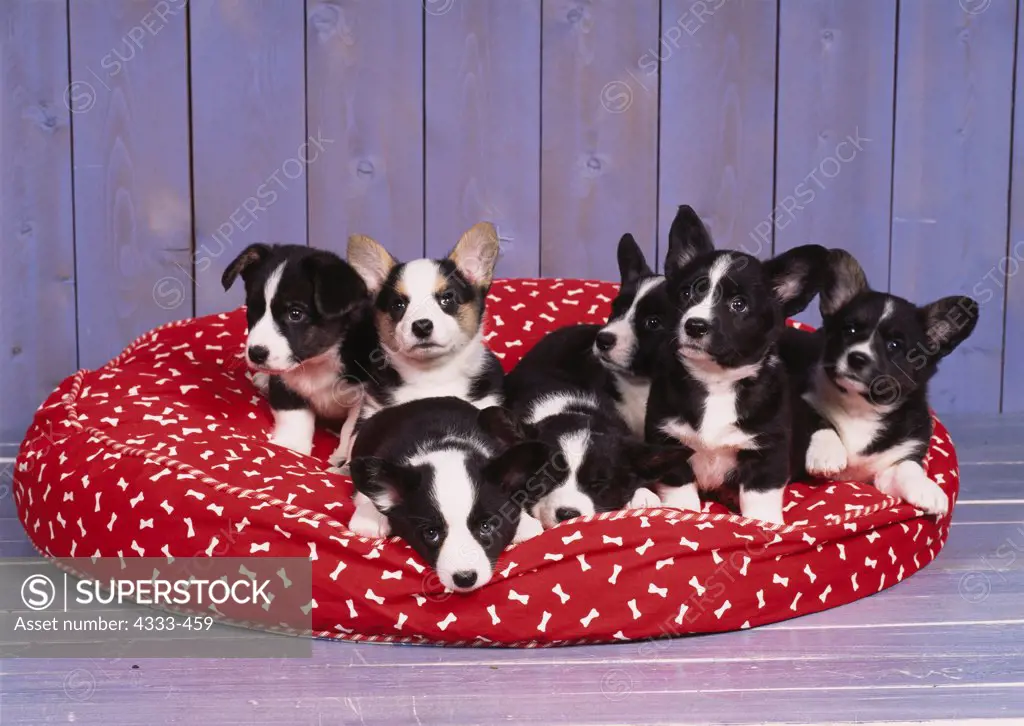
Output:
x=846 y=279
x=476 y=253
x=468 y=316
x=370 y=260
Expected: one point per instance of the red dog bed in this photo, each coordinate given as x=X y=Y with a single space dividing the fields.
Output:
x=174 y=436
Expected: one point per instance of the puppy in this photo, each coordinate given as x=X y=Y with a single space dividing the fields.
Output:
x=562 y=396
x=438 y=472
x=721 y=390
x=425 y=337
x=640 y=323
x=301 y=304
x=866 y=373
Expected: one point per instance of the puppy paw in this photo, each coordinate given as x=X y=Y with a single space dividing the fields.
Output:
x=916 y=488
x=528 y=527
x=684 y=497
x=763 y=505
x=339 y=460
x=298 y=444
x=826 y=455
x=368 y=522
x=261 y=381
x=644 y=498
x=343 y=469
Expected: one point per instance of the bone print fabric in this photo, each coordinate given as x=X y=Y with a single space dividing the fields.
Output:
x=164 y=452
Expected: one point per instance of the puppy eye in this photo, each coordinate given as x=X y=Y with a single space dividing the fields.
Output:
x=296 y=315
x=652 y=323
x=432 y=536
x=398 y=306
x=485 y=528
x=686 y=294
x=849 y=329
x=447 y=299
x=738 y=305
x=893 y=346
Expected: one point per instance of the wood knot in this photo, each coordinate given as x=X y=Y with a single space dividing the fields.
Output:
x=827 y=36
x=324 y=18
x=594 y=164
x=16 y=350
x=575 y=15
x=365 y=169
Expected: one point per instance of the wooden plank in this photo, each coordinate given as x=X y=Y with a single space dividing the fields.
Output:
x=365 y=93
x=834 y=146
x=38 y=345
x=251 y=150
x=133 y=221
x=599 y=134
x=718 y=118
x=950 y=189
x=1013 y=353
x=483 y=127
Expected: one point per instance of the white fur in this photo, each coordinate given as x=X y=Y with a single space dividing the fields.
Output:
x=266 y=333
x=909 y=481
x=528 y=527
x=367 y=520
x=420 y=278
x=343 y=453
x=684 y=497
x=826 y=455
x=705 y=309
x=574 y=449
x=644 y=498
x=556 y=403
x=858 y=423
x=294 y=429
x=621 y=354
x=763 y=505
x=632 y=407
x=454 y=494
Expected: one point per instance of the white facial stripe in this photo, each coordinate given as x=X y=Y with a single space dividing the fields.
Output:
x=266 y=333
x=887 y=310
x=557 y=403
x=705 y=308
x=568 y=495
x=454 y=494
x=623 y=328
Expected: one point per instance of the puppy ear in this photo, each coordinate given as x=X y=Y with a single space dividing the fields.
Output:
x=843 y=280
x=514 y=468
x=796 y=276
x=476 y=254
x=382 y=481
x=499 y=423
x=632 y=264
x=654 y=462
x=336 y=286
x=369 y=258
x=948 y=322
x=252 y=255
x=687 y=239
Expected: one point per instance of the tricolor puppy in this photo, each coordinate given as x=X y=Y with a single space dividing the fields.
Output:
x=867 y=385
x=427 y=334
x=562 y=396
x=301 y=304
x=721 y=390
x=640 y=323
x=442 y=476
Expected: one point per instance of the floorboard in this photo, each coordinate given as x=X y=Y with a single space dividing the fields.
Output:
x=944 y=646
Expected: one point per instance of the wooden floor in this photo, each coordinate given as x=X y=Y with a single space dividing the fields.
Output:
x=946 y=645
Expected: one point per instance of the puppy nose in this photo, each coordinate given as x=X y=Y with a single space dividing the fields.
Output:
x=605 y=341
x=422 y=329
x=857 y=360
x=696 y=327
x=258 y=354
x=464 y=578
x=564 y=513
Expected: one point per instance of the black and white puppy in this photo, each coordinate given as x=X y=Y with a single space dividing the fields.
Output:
x=441 y=474
x=639 y=324
x=301 y=304
x=866 y=373
x=562 y=396
x=721 y=390
x=426 y=335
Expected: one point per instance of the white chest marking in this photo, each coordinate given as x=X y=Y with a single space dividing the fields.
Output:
x=556 y=403
x=718 y=437
x=319 y=380
x=633 y=406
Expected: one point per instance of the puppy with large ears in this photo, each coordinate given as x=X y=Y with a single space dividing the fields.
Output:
x=721 y=390
x=865 y=376
x=438 y=474
x=301 y=304
x=426 y=339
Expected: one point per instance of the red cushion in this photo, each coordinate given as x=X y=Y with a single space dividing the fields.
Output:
x=173 y=437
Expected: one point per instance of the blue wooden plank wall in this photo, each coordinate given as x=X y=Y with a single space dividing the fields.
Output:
x=144 y=142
